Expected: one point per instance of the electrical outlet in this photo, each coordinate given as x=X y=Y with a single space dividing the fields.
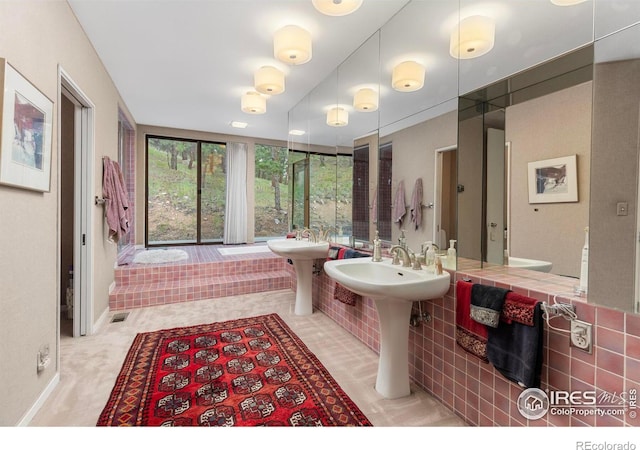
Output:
x=581 y=335
x=42 y=358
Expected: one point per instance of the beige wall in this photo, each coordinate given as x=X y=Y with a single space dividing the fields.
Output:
x=36 y=38
x=613 y=241
x=547 y=127
x=144 y=130
x=414 y=157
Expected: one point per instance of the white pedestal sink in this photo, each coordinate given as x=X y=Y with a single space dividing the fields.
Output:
x=302 y=253
x=393 y=289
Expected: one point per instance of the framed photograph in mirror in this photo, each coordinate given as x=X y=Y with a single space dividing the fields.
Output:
x=25 y=134
x=553 y=180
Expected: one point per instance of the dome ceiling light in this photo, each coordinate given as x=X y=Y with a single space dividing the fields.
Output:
x=567 y=2
x=337 y=117
x=473 y=37
x=408 y=76
x=292 y=45
x=269 y=80
x=336 y=7
x=253 y=103
x=366 y=100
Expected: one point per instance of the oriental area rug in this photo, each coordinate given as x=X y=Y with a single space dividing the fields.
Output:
x=246 y=372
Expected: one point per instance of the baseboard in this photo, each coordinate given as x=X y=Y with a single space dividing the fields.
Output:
x=104 y=318
x=30 y=414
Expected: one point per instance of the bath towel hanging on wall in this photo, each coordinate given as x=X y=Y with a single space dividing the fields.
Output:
x=400 y=207
x=114 y=192
x=416 y=203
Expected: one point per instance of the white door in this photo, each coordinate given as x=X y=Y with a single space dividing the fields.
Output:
x=495 y=196
x=83 y=203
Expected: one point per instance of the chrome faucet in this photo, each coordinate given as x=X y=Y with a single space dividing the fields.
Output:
x=323 y=235
x=406 y=259
x=424 y=244
x=313 y=237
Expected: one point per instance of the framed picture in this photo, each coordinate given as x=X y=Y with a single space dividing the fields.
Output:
x=553 y=180
x=25 y=132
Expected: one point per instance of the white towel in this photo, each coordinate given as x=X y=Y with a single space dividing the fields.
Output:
x=416 y=203
x=400 y=208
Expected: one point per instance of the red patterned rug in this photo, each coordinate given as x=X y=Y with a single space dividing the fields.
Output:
x=247 y=372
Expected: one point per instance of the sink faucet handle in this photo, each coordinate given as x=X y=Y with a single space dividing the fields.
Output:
x=415 y=261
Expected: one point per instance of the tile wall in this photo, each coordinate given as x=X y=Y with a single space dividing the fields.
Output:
x=474 y=390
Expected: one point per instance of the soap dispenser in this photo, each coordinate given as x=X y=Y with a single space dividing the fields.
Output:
x=430 y=258
x=377 y=248
x=402 y=240
x=451 y=254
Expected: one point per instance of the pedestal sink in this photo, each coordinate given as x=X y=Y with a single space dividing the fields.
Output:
x=302 y=253
x=393 y=289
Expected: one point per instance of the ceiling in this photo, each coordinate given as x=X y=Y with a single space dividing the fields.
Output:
x=185 y=64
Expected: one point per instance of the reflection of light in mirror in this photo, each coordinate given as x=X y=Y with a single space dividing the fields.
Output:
x=366 y=100
x=292 y=45
x=236 y=124
x=253 y=103
x=408 y=76
x=337 y=7
x=567 y=2
x=269 y=80
x=337 y=117
x=473 y=37
x=297 y=132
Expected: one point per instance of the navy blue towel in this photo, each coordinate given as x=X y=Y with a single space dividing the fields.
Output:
x=487 y=303
x=350 y=253
x=515 y=350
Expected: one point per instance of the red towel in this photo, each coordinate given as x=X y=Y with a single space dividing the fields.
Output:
x=344 y=295
x=470 y=335
x=518 y=308
x=114 y=191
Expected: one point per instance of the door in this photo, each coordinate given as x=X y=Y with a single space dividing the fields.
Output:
x=445 y=197
x=78 y=158
x=495 y=196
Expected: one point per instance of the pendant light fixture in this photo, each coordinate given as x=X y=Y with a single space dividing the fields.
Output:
x=253 y=103
x=336 y=7
x=366 y=100
x=337 y=117
x=473 y=37
x=292 y=45
x=408 y=76
x=269 y=80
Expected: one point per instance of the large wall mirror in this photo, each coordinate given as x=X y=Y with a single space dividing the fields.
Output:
x=533 y=120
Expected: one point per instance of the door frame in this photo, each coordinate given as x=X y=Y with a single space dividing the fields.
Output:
x=84 y=143
x=437 y=189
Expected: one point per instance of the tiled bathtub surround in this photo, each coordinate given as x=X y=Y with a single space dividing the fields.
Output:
x=474 y=390
x=206 y=274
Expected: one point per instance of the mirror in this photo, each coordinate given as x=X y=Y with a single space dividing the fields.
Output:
x=521 y=130
x=613 y=262
x=503 y=93
x=420 y=31
x=415 y=124
x=358 y=94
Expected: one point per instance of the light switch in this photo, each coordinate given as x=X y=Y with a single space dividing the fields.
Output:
x=622 y=208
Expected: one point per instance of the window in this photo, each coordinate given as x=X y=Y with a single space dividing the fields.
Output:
x=271 y=191
x=186 y=189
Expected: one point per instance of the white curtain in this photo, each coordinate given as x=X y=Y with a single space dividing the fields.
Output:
x=235 y=217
